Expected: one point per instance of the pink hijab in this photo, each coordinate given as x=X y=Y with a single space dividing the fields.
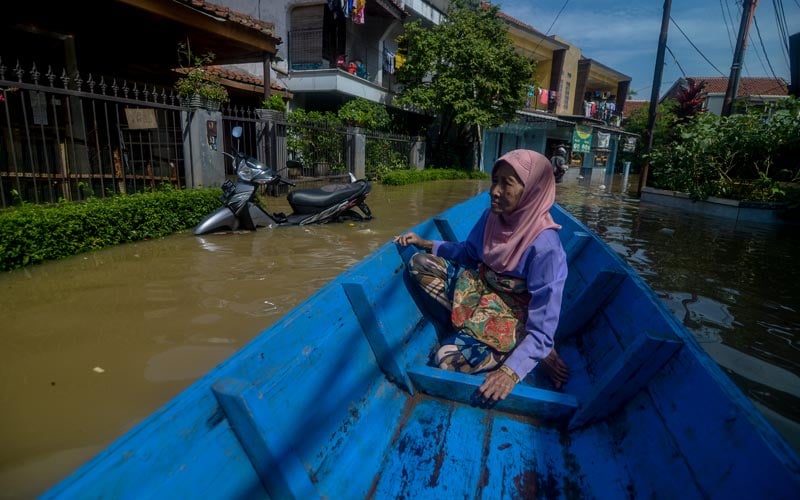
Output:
x=507 y=237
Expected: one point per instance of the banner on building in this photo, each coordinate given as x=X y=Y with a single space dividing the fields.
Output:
x=630 y=145
x=603 y=139
x=582 y=139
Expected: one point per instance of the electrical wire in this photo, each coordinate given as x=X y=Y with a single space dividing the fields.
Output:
x=556 y=18
x=695 y=47
x=780 y=21
x=552 y=24
x=676 y=60
x=764 y=49
x=728 y=28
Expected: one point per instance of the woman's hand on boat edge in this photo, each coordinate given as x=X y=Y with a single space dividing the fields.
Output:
x=496 y=387
x=412 y=238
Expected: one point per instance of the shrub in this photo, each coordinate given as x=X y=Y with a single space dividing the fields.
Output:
x=402 y=177
x=31 y=234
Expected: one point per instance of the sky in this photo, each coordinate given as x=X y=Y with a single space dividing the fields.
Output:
x=623 y=35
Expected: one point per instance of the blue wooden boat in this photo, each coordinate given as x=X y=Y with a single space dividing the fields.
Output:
x=338 y=400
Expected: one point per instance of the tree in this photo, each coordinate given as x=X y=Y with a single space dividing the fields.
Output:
x=664 y=130
x=464 y=71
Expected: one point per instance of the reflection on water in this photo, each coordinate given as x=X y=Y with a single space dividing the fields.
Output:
x=154 y=316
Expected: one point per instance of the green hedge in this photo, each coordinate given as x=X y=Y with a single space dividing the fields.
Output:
x=401 y=177
x=32 y=234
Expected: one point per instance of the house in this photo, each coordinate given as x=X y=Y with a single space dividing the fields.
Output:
x=86 y=102
x=332 y=56
x=134 y=39
x=576 y=102
x=752 y=91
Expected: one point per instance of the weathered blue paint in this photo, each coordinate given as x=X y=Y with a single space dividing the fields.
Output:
x=338 y=400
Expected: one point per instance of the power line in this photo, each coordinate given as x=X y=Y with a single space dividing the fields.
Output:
x=780 y=21
x=695 y=47
x=551 y=24
x=556 y=18
x=727 y=27
x=676 y=61
x=761 y=41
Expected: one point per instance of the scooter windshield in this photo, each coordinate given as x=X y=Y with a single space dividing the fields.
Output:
x=251 y=171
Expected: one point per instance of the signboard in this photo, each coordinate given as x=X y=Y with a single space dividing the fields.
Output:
x=582 y=139
x=630 y=145
x=603 y=138
x=141 y=119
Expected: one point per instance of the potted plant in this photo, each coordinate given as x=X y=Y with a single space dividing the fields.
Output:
x=274 y=103
x=198 y=87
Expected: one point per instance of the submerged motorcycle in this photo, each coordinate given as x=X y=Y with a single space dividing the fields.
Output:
x=242 y=210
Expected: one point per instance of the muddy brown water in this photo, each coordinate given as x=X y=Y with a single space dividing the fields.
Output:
x=91 y=345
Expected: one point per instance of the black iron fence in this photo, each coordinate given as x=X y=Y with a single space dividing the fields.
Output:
x=66 y=137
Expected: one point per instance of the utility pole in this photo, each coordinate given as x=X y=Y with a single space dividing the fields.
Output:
x=748 y=11
x=659 y=70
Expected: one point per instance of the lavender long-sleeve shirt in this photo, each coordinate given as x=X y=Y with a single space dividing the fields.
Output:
x=544 y=267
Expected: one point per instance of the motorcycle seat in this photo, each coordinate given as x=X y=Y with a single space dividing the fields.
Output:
x=306 y=201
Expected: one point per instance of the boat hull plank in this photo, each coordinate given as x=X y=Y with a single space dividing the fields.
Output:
x=630 y=373
x=280 y=470
x=525 y=400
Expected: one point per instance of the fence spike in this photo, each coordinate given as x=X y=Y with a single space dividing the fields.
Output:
x=51 y=76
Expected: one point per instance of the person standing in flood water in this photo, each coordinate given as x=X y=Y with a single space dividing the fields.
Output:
x=560 y=164
x=506 y=300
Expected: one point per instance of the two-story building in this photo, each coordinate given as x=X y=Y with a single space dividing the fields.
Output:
x=573 y=101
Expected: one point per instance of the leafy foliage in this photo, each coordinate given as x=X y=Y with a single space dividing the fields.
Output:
x=403 y=177
x=691 y=99
x=197 y=79
x=744 y=156
x=466 y=71
x=315 y=137
x=363 y=113
x=32 y=234
x=275 y=103
x=664 y=130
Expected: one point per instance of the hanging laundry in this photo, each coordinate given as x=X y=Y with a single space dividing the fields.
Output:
x=388 y=61
x=399 y=61
x=361 y=70
x=544 y=97
x=358 y=11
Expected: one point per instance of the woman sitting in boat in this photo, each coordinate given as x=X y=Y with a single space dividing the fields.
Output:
x=505 y=302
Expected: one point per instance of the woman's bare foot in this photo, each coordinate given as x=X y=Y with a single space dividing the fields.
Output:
x=555 y=368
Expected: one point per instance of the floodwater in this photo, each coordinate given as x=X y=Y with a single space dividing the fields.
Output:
x=91 y=345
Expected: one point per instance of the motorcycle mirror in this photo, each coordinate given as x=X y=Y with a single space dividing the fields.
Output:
x=236 y=132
